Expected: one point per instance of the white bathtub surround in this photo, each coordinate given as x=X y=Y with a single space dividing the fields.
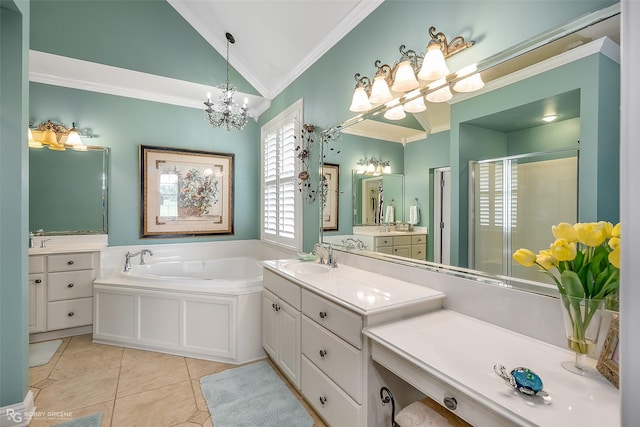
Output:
x=169 y=305
x=112 y=257
x=459 y=360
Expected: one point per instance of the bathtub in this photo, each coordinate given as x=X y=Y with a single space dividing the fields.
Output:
x=207 y=309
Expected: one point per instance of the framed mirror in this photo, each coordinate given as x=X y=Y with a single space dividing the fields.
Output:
x=570 y=70
x=68 y=191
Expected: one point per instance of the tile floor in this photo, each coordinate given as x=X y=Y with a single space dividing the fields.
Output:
x=130 y=387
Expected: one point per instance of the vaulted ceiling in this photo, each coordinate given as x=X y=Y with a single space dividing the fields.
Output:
x=275 y=40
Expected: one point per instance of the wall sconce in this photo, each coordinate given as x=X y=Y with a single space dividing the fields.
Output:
x=373 y=167
x=56 y=136
x=408 y=76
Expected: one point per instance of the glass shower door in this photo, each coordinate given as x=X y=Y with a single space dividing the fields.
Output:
x=516 y=200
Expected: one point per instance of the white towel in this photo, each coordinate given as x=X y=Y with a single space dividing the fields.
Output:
x=414 y=215
x=389 y=216
x=418 y=414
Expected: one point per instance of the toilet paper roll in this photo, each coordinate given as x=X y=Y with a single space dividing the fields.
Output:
x=418 y=414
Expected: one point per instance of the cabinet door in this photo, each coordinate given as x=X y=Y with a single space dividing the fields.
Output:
x=289 y=342
x=37 y=303
x=269 y=342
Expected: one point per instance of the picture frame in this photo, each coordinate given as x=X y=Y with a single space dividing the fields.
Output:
x=609 y=361
x=330 y=193
x=185 y=192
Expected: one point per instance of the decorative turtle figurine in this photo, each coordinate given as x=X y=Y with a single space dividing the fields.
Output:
x=522 y=379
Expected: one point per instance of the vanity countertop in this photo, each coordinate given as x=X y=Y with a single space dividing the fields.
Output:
x=63 y=249
x=378 y=233
x=61 y=244
x=361 y=291
x=461 y=351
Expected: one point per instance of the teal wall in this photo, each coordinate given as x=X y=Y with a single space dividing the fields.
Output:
x=14 y=181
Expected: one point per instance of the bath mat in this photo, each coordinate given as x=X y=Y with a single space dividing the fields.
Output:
x=41 y=352
x=252 y=395
x=93 y=420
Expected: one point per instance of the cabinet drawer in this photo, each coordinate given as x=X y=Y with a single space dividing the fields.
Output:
x=71 y=284
x=419 y=240
x=69 y=262
x=403 y=251
x=401 y=240
x=383 y=241
x=338 y=320
x=418 y=252
x=328 y=400
x=69 y=314
x=283 y=288
x=338 y=360
x=36 y=264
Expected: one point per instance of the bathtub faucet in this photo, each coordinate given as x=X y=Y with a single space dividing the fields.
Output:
x=129 y=255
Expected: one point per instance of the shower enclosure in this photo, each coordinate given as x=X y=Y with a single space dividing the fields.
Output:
x=514 y=202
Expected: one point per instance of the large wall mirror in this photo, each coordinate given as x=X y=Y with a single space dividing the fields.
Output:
x=68 y=191
x=483 y=172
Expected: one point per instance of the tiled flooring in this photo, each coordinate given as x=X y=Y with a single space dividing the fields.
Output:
x=130 y=387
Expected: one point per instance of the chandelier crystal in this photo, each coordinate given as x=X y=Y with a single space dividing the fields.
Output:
x=226 y=112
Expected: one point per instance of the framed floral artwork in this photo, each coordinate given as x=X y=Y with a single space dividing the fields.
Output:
x=609 y=361
x=185 y=192
x=330 y=192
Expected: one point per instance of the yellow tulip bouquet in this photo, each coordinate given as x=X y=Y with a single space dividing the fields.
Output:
x=585 y=255
x=584 y=263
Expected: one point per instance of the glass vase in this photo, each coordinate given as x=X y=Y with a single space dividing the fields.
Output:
x=582 y=318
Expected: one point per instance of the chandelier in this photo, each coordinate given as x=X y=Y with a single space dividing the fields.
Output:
x=402 y=87
x=226 y=112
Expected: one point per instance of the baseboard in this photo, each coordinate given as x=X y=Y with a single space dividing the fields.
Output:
x=60 y=333
x=18 y=414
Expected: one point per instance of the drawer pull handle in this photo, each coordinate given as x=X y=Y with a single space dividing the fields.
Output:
x=70 y=285
x=71 y=313
x=322 y=314
x=323 y=353
x=451 y=403
x=69 y=262
x=273 y=305
x=323 y=400
x=38 y=281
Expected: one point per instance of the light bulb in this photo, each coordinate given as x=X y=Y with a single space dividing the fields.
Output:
x=360 y=103
x=405 y=79
x=433 y=67
x=380 y=91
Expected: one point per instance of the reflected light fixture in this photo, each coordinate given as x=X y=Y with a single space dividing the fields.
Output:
x=226 y=112
x=549 y=118
x=373 y=167
x=56 y=136
x=412 y=73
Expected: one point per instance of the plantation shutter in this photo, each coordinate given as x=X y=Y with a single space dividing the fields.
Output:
x=281 y=207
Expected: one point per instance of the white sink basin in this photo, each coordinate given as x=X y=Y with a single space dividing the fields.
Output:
x=299 y=267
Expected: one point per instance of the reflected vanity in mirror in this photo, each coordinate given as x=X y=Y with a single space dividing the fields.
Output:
x=497 y=156
x=68 y=191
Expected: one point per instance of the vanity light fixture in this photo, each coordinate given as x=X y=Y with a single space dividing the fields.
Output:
x=411 y=73
x=56 y=136
x=226 y=113
x=373 y=167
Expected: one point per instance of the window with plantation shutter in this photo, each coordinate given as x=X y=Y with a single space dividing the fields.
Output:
x=281 y=207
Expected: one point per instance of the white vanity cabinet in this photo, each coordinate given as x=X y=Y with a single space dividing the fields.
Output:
x=61 y=290
x=281 y=324
x=410 y=245
x=333 y=305
x=37 y=294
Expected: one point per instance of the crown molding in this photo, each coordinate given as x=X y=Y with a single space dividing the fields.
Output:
x=74 y=73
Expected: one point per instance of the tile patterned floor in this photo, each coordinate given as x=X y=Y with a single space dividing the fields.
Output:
x=130 y=387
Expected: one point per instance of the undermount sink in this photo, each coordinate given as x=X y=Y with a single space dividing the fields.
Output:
x=299 y=267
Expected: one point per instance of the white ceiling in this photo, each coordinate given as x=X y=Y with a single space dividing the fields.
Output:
x=276 y=40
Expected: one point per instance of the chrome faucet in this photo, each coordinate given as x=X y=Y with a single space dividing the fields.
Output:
x=331 y=260
x=43 y=243
x=129 y=255
x=353 y=243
